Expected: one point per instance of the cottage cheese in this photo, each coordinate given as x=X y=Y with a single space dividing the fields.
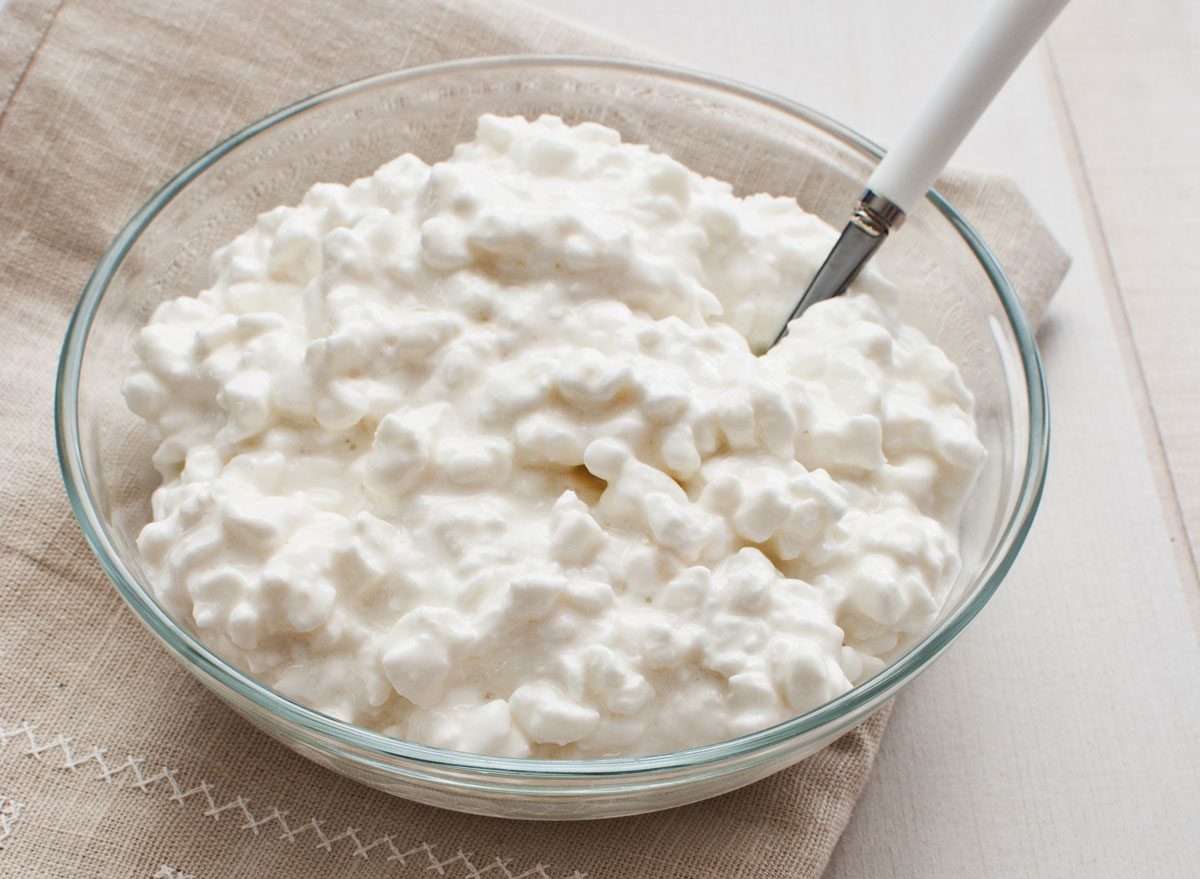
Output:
x=480 y=455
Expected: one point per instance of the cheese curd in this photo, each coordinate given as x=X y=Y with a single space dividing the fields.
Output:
x=481 y=455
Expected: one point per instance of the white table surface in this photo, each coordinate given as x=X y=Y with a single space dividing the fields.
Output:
x=1061 y=735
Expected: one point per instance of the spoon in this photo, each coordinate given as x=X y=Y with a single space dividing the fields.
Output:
x=1008 y=31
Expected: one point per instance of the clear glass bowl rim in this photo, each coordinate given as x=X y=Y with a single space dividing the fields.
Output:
x=381 y=749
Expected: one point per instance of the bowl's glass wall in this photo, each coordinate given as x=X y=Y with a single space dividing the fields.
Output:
x=755 y=144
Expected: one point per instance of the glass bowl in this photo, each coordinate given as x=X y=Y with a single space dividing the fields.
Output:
x=759 y=142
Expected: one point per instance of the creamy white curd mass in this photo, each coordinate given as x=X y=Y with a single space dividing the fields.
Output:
x=479 y=454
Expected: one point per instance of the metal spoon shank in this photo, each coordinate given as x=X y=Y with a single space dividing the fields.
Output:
x=874 y=217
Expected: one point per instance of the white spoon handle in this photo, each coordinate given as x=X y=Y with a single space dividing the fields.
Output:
x=1004 y=37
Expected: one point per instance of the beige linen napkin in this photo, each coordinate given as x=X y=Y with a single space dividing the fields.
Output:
x=113 y=761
